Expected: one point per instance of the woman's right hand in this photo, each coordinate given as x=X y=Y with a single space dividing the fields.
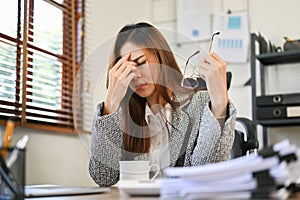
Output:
x=120 y=75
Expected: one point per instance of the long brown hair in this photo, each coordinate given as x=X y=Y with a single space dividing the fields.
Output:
x=136 y=135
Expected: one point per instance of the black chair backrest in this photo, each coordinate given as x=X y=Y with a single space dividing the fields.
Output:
x=245 y=141
x=202 y=84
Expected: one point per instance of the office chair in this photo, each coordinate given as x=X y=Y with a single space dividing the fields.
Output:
x=202 y=84
x=245 y=141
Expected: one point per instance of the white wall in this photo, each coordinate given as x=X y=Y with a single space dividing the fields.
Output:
x=54 y=158
x=61 y=158
x=274 y=19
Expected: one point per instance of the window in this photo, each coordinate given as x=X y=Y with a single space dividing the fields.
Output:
x=40 y=53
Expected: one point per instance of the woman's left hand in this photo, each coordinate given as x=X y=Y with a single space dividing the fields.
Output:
x=213 y=71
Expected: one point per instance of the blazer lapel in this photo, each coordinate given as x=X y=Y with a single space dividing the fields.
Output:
x=180 y=124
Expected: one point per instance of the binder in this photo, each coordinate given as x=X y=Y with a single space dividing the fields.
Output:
x=278 y=112
x=278 y=99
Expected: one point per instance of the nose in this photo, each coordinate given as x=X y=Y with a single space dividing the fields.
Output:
x=137 y=73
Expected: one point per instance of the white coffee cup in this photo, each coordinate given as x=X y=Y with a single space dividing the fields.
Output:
x=137 y=170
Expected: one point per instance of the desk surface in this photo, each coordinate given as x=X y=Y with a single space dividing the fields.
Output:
x=111 y=195
x=114 y=194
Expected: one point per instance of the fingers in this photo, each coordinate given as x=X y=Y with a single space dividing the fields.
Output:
x=127 y=74
x=219 y=61
x=120 y=75
x=213 y=70
x=121 y=61
x=120 y=66
x=215 y=60
x=123 y=67
x=212 y=62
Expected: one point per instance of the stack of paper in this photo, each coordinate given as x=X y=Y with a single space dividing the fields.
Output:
x=267 y=174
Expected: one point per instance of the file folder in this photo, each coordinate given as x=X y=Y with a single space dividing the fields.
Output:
x=278 y=99
x=278 y=112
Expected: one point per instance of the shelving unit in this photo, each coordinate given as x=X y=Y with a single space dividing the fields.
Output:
x=269 y=60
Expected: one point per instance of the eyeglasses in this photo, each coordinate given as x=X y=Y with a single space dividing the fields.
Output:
x=191 y=82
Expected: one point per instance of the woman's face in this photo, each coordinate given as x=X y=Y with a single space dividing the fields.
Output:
x=143 y=84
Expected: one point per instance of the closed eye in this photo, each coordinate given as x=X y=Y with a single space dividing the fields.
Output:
x=141 y=63
x=140 y=60
x=137 y=59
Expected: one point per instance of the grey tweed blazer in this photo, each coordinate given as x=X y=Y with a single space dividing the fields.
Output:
x=208 y=141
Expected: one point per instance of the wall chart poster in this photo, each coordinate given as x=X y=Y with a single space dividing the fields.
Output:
x=233 y=42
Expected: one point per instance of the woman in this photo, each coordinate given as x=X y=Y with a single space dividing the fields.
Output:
x=149 y=115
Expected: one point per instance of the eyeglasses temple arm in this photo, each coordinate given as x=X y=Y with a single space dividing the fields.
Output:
x=212 y=39
x=187 y=62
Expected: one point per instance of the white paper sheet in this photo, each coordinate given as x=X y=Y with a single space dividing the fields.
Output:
x=226 y=169
x=236 y=178
x=193 y=20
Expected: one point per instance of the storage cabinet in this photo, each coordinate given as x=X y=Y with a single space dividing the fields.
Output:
x=264 y=61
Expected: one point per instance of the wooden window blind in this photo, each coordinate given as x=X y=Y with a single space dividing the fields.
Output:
x=40 y=52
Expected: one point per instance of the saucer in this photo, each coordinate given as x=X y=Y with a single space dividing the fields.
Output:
x=139 y=187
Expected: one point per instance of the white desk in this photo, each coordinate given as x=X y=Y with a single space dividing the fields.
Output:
x=114 y=194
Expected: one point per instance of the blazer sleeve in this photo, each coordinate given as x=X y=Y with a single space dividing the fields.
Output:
x=106 y=145
x=214 y=143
